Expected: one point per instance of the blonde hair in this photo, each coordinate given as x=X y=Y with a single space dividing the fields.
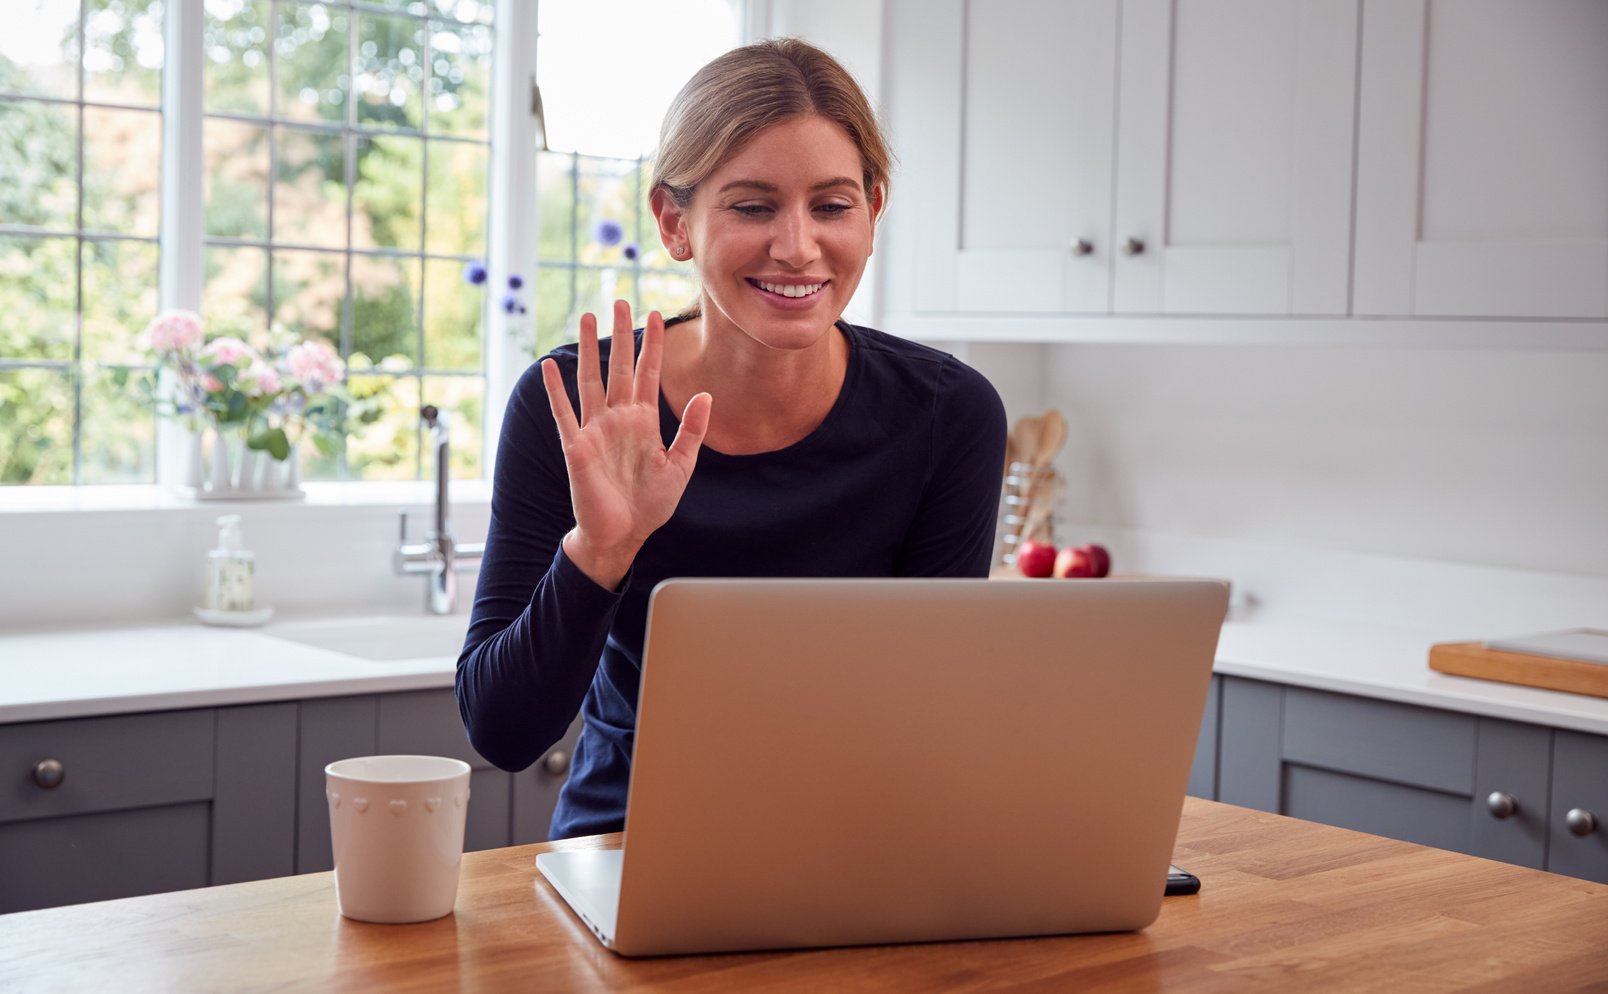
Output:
x=731 y=100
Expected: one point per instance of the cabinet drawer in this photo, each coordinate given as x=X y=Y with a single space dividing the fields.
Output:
x=108 y=764
x=1400 y=743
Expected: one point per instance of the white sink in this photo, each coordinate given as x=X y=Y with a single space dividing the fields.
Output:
x=380 y=637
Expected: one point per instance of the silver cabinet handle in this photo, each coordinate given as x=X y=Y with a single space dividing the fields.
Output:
x=1133 y=246
x=1501 y=805
x=49 y=773
x=1580 y=821
x=556 y=762
x=1082 y=246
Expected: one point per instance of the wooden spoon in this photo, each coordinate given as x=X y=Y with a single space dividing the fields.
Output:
x=1052 y=433
x=1027 y=435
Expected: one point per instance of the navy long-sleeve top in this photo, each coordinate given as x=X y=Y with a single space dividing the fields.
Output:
x=902 y=478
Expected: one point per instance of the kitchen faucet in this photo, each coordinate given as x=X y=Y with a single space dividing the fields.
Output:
x=437 y=557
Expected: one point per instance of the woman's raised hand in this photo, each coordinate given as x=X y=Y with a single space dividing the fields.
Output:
x=624 y=483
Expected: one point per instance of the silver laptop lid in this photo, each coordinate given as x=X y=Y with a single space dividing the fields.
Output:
x=842 y=762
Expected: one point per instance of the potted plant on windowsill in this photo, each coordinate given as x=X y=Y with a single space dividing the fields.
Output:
x=249 y=411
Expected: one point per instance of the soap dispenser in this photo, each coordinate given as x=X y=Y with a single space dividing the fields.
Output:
x=230 y=569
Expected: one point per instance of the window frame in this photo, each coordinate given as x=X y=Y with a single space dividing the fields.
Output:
x=512 y=228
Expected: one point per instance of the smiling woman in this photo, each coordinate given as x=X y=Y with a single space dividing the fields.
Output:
x=756 y=434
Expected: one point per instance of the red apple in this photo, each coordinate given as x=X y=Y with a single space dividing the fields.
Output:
x=1074 y=562
x=1035 y=558
x=1101 y=558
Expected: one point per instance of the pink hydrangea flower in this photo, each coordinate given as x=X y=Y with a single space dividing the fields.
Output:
x=229 y=352
x=174 y=331
x=259 y=380
x=314 y=362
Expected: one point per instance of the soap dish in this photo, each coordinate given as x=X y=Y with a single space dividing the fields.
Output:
x=235 y=619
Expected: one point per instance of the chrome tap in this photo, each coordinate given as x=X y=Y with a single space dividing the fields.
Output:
x=437 y=557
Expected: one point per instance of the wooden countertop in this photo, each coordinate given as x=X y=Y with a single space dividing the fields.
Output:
x=1286 y=905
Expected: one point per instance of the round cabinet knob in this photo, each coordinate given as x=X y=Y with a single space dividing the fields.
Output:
x=49 y=773
x=1133 y=246
x=556 y=762
x=1501 y=805
x=1082 y=247
x=1580 y=822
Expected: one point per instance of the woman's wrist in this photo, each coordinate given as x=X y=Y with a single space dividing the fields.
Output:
x=605 y=567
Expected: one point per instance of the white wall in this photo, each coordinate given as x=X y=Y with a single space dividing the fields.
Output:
x=1494 y=458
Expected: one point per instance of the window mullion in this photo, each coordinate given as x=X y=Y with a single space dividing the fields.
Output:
x=511 y=233
x=182 y=205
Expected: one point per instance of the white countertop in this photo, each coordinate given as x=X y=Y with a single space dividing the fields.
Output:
x=50 y=675
x=1390 y=664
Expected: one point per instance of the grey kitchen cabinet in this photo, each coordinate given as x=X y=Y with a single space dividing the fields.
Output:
x=1578 y=840
x=1203 y=773
x=1440 y=778
x=423 y=722
x=117 y=806
x=504 y=808
x=122 y=805
x=536 y=789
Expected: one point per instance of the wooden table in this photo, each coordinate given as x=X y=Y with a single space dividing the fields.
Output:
x=1286 y=906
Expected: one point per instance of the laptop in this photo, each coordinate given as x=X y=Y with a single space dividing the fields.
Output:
x=853 y=762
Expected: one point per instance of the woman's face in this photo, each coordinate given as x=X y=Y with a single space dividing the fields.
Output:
x=779 y=233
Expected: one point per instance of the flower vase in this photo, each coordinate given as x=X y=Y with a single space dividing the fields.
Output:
x=248 y=468
x=194 y=460
x=219 y=479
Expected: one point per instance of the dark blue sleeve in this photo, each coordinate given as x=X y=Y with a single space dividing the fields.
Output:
x=539 y=624
x=953 y=531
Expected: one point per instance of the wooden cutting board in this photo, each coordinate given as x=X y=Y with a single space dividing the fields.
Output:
x=1547 y=672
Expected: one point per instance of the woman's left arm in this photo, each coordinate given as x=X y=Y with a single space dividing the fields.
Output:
x=952 y=533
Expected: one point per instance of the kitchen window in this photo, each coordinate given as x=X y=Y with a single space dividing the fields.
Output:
x=346 y=179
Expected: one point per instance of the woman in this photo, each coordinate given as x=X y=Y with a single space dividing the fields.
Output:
x=805 y=446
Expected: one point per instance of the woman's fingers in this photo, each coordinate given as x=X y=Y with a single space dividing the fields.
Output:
x=650 y=361
x=558 y=400
x=694 y=424
x=588 y=378
x=622 y=356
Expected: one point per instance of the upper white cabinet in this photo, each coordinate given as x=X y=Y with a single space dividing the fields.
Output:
x=1482 y=159
x=1137 y=157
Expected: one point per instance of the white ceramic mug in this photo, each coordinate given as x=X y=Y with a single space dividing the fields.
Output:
x=396 y=824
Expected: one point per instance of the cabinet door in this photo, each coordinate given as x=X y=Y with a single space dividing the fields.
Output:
x=1003 y=113
x=331 y=728
x=1397 y=770
x=1482 y=159
x=254 y=804
x=427 y=722
x=536 y=789
x=1579 y=784
x=1203 y=773
x=130 y=813
x=1234 y=149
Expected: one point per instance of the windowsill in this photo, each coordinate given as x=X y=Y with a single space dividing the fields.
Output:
x=146 y=497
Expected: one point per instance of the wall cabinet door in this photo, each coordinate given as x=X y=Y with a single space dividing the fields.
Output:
x=1234 y=136
x=1003 y=112
x=1482 y=159
x=1219 y=181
